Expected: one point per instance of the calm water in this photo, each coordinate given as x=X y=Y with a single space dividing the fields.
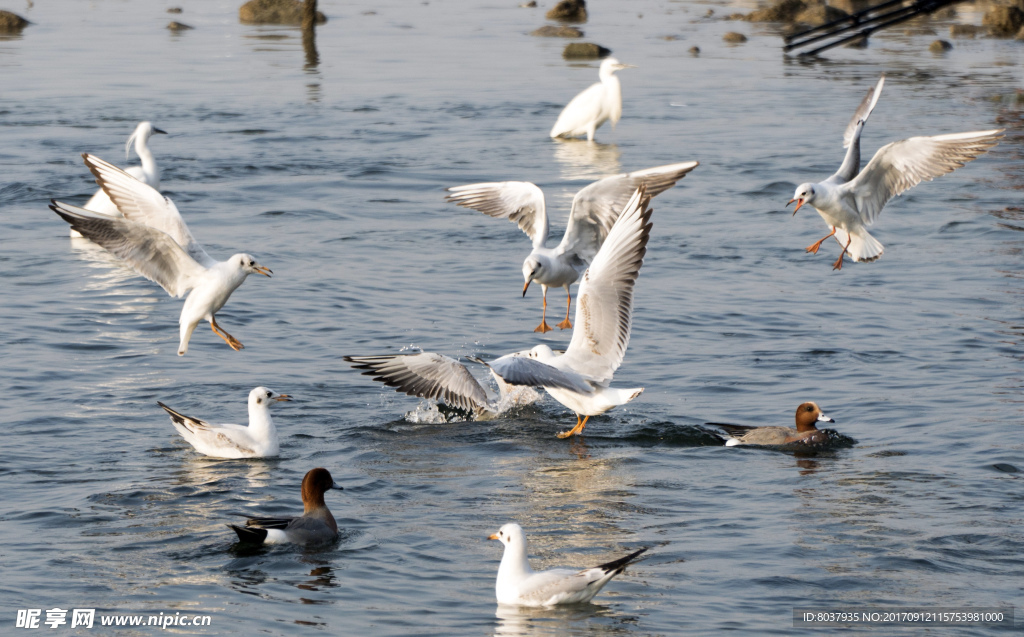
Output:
x=332 y=174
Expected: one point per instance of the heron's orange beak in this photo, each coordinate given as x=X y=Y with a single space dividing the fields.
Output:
x=799 y=202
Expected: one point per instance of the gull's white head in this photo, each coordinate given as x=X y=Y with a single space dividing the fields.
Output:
x=610 y=65
x=538 y=352
x=261 y=398
x=534 y=268
x=804 y=194
x=511 y=535
x=142 y=133
x=248 y=264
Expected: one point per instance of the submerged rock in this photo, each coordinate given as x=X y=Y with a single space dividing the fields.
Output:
x=816 y=15
x=694 y=51
x=963 y=30
x=563 y=31
x=778 y=11
x=274 y=12
x=734 y=38
x=940 y=46
x=174 y=10
x=569 y=11
x=529 y=5
x=12 y=22
x=1003 y=21
x=178 y=26
x=585 y=50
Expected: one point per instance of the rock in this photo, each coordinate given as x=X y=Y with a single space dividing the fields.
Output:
x=532 y=4
x=178 y=26
x=569 y=11
x=1020 y=34
x=12 y=22
x=1003 y=21
x=945 y=14
x=709 y=13
x=694 y=51
x=584 y=50
x=174 y=10
x=735 y=16
x=274 y=12
x=851 y=6
x=563 y=31
x=963 y=30
x=734 y=38
x=819 y=14
x=940 y=46
x=780 y=11
x=670 y=38
x=859 y=43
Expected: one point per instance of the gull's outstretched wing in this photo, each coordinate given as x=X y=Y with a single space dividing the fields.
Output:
x=596 y=207
x=426 y=375
x=604 y=302
x=851 y=138
x=518 y=201
x=517 y=369
x=901 y=165
x=141 y=203
x=150 y=252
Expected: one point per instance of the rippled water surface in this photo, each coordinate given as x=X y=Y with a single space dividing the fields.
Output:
x=331 y=169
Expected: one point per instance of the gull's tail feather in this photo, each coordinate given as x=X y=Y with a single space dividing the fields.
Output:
x=617 y=566
x=863 y=247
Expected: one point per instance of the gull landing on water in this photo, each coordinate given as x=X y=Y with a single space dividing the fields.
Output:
x=147 y=173
x=258 y=440
x=153 y=239
x=594 y=211
x=580 y=378
x=518 y=584
x=852 y=199
x=594 y=106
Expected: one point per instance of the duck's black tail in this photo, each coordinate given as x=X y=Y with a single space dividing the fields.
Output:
x=250 y=535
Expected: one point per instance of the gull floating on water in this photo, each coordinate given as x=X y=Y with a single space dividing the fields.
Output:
x=807 y=415
x=518 y=584
x=316 y=525
x=148 y=172
x=594 y=106
x=258 y=440
x=580 y=377
x=852 y=199
x=594 y=211
x=153 y=239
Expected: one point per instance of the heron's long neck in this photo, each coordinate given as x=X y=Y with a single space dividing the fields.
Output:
x=149 y=167
x=614 y=93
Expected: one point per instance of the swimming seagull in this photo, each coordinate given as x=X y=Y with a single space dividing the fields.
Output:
x=518 y=584
x=258 y=440
x=153 y=239
x=580 y=377
x=851 y=199
x=148 y=172
x=594 y=106
x=316 y=525
x=594 y=211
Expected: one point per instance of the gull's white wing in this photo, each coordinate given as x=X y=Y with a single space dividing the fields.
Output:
x=426 y=375
x=567 y=586
x=142 y=203
x=518 y=201
x=901 y=165
x=604 y=302
x=151 y=253
x=596 y=207
x=517 y=369
x=236 y=438
x=851 y=138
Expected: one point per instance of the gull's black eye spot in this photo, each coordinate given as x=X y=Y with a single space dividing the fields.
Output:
x=252 y=263
x=259 y=401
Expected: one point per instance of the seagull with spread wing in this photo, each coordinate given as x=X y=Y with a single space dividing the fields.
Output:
x=580 y=377
x=153 y=239
x=594 y=211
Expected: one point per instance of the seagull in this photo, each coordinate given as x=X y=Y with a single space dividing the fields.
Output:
x=594 y=210
x=258 y=440
x=153 y=239
x=594 y=106
x=316 y=525
x=807 y=415
x=851 y=199
x=520 y=585
x=439 y=377
x=148 y=172
x=580 y=377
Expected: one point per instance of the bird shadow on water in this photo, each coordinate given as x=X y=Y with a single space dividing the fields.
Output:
x=591 y=619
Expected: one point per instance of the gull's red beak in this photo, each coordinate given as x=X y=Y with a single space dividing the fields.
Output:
x=526 y=285
x=799 y=202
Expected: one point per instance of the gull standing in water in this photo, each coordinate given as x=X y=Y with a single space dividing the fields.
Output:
x=153 y=239
x=594 y=106
x=594 y=211
x=147 y=173
x=579 y=378
x=520 y=585
x=851 y=199
x=258 y=440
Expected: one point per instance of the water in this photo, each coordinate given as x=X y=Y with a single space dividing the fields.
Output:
x=332 y=174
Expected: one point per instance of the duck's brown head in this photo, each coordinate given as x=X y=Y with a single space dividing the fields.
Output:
x=317 y=482
x=807 y=415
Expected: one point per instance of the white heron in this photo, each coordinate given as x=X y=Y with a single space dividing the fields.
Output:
x=594 y=106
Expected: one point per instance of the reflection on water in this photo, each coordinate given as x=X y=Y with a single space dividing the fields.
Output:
x=580 y=159
x=573 y=619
